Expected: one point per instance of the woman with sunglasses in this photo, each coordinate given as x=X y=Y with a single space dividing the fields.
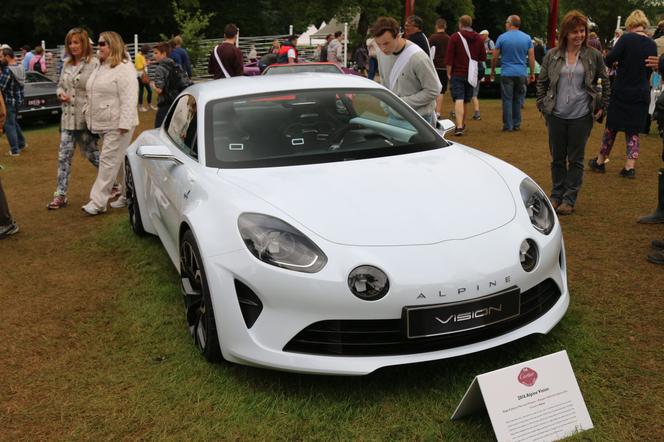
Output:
x=79 y=64
x=111 y=112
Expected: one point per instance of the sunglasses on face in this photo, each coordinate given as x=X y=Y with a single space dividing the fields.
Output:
x=101 y=43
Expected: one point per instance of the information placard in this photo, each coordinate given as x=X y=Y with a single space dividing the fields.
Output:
x=536 y=400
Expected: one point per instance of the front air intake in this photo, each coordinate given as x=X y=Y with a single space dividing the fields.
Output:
x=250 y=304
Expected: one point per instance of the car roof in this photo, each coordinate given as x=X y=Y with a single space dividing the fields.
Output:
x=240 y=86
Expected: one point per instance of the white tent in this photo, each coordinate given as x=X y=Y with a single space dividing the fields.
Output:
x=306 y=38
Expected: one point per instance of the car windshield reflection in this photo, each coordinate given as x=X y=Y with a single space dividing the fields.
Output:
x=314 y=126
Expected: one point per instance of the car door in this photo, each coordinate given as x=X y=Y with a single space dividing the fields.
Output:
x=176 y=180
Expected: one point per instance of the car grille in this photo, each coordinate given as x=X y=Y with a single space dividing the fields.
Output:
x=384 y=337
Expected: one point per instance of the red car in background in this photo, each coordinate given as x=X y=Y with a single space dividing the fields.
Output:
x=292 y=68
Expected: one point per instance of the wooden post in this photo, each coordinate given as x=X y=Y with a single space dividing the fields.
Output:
x=346 y=44
x=552 y=25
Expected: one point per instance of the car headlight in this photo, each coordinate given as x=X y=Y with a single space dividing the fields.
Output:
x=537 y=205
x=277 y=243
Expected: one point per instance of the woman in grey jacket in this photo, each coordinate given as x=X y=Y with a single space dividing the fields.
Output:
x=568 y=95
x=79 y=64
x=111 y=112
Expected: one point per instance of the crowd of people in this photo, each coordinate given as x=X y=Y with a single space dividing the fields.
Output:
x=580 y=82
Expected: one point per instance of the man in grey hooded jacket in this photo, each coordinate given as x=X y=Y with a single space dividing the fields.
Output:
x=12 y=80
x=406 y=69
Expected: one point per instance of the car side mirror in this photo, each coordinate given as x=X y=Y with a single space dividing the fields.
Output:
x=157 y=152
x=445 y=126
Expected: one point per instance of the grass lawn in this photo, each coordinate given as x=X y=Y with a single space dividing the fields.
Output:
x=95 y=344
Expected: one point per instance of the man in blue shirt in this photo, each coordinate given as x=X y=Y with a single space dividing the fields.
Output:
x=180 y=55
x=513 y=48
x=27 y=55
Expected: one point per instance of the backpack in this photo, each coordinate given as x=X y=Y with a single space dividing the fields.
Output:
x=37 y=66
x=176 y=81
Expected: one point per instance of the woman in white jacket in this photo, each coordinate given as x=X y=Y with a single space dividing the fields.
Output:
x=111 y=112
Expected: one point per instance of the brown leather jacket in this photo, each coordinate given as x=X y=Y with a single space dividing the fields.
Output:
x=594 y=67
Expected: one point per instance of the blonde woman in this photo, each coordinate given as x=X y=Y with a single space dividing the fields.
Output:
x=79 y=64
x=628 y=106
x=111 y=112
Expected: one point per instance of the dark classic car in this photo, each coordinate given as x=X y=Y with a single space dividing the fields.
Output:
x=41 y=100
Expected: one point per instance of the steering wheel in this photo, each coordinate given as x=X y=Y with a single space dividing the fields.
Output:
x=338 y=139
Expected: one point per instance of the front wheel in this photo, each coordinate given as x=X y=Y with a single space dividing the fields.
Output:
x=198 y=305
x=135 y=219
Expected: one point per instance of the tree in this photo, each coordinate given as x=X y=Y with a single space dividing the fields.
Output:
x=192 y=26
x=605 y=12
x=491 y=15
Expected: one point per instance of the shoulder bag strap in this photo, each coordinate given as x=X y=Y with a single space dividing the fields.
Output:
x=221 y=65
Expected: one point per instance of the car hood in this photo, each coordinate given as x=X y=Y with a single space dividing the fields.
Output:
x=413 y=199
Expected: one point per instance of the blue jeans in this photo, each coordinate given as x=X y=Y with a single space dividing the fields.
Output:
x=512 y=90
x=13 y=130
x=144 y=87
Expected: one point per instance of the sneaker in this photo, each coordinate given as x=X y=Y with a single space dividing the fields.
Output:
x=58 y=202
x=657 y=257
x=507 y=129
x=5 y=231
x=516 y=128
x=596 y=167
x=459 y=131
x=119 y=203
x=14 y=154
x=476 y=116
x=631 y=173
x=22 y=148
x=116 y=191
x=565 y=209
x=657 y=244
x=144 y=109
x=92 y=210
x=153 y=107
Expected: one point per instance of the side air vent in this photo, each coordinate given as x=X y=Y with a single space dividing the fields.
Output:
x=250 y=304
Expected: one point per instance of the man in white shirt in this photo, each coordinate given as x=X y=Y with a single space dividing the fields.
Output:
x=335 y=48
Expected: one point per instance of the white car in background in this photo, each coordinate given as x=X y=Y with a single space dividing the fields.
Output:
x=320 y=225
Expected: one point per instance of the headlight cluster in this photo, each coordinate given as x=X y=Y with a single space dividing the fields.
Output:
x=277 y=243
x=537 y=205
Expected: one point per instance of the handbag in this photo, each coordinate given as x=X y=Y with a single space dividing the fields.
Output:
x=145 y=78
x=472 y=64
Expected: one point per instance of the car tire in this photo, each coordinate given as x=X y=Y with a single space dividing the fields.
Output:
x=133 y=209
x=198 y=304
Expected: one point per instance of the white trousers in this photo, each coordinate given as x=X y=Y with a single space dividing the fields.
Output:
x=111 y=161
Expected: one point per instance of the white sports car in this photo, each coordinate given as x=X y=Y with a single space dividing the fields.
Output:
x=320 y=225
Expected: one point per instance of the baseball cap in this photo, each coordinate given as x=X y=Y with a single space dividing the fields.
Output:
x=484 y=32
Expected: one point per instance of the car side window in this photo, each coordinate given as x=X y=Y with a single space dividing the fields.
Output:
x=181 y=125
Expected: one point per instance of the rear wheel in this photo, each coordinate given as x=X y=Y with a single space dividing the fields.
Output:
x=197 y=301
x=133 y=209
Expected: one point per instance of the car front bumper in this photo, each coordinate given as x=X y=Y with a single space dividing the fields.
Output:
x=447 y=272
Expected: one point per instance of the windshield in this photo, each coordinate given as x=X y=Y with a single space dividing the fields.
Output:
x=312 y=126
x=35 y=77
x=303 y=67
